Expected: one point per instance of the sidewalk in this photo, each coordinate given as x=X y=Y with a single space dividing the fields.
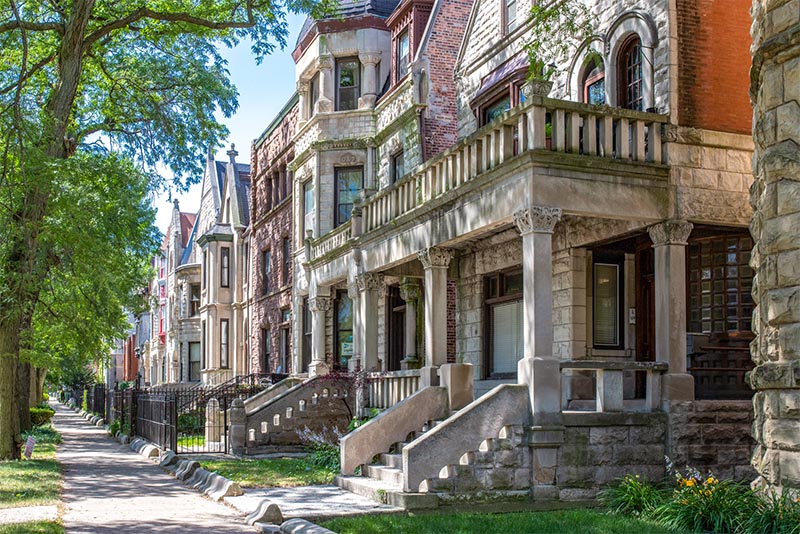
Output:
x=109 y=489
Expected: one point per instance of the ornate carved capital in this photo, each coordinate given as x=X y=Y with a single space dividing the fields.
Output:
x=369 y=58
x=670 y=233
x=353 y=291
x=320 y=304
x=409 y=290
x=435 y=257
x=540 y=219
x=324 y=62
x=302 y=86
x=370 y=282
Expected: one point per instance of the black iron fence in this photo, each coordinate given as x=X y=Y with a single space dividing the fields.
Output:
x=96 y=400
x=156 y=419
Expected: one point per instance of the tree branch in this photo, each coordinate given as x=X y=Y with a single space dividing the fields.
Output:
x=147 y=13
x=31 y=26
x=44 y=62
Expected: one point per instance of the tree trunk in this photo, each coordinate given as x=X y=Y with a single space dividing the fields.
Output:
x=10 y=439
x=37 y=384
x=24 y=395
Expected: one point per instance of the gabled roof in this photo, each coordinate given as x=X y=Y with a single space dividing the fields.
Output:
x=187 y=251
x=187 y=225
x=347 y=9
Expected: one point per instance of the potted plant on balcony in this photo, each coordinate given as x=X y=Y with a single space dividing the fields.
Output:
x=557 y=27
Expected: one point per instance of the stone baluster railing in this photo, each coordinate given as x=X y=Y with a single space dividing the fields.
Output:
x=609 y=375
x=384 y=390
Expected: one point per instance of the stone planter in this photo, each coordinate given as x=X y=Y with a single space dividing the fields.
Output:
x=537 y=87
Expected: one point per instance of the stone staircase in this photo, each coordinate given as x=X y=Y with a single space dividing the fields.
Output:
x=499 y=464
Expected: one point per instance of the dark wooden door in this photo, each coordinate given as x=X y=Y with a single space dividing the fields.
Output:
x=645 y=311
x=396 y=310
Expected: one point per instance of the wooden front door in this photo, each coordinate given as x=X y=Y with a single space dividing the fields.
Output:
x=645 y=311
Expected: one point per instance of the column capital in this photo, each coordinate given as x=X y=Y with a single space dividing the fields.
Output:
x=369 y=58
x=369 y=282
x=302 y=86
x=409 y=290
x=537 y=219
x=435 y=257
x=320 y=304
x=674 y=232
x=325 y=62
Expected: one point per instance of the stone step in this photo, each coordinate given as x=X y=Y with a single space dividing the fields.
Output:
x=383 y=492
x=392 y=460
x=387 y=474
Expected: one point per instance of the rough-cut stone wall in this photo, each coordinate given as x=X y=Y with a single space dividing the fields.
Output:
x=601 y=447
x=712 y=436
x=775 y=197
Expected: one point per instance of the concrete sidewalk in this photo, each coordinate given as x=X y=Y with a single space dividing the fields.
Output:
x=109 y=489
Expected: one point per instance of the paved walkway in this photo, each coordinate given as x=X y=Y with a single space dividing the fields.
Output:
x=110 y=489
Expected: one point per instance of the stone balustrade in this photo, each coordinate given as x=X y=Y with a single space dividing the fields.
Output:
x=541 y=124
x=384 y=390
x=331 y=241
x=609 y=374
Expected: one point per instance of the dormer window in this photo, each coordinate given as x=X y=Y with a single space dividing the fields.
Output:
x=348 y=83
x=403 y=52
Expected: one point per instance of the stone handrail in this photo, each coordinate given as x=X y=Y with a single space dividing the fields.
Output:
x=331 y=241
x=392 y=426
x=423 y=458
x=581 y=129
x=608 y=392
x=384 y=390
x=258 y=400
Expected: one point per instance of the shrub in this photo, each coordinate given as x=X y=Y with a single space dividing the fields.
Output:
x=85 y=403
x=706 y=504
x=43 y=434
x=633 y=496
x=323 y=446
x=41 y=415
x=776 y=513
x=114 y=427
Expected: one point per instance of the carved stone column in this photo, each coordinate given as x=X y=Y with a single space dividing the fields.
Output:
x=669 y=244
x=369 y=92
x=775 y=197
x=435 y=261
x=409 y=292
x=539 y=369
x=302 y=102
x=326 y=81
x=372 y=289
x=319 y=306
x=354 y=294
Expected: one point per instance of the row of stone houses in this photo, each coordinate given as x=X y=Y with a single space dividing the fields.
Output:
x=579 y=263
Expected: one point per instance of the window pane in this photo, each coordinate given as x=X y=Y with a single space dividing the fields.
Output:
x=344 y=329
x=348 y=184
x=348 y=83
x=506 y=337
x=606 y=305
x=402 y=55
x=498 y=108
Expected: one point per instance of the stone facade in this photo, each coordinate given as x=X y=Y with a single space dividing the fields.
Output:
x=775 y=94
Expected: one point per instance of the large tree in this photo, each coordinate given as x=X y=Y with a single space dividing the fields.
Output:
x=142 y=77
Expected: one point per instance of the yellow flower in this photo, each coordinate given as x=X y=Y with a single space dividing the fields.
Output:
x=690 y=482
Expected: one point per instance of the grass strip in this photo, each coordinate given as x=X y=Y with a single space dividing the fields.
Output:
x=33 y=527
x=578 y=520
x=270 y=472
x=31 y=482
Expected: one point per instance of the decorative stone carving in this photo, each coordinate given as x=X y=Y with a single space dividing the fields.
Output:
x=540 y=219
x=302 y=86
x=435 y=257
x=320 y=304
x=324 y=62
x=670 y=233
x=369 y=281
x=409 y=290
x=369 y=58
x=352 y=290
x=347 y=159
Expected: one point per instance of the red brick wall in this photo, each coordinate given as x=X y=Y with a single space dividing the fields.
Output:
x=441 y=126
x=714 y=64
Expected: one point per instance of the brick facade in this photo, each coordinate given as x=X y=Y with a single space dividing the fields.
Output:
x=713 y=70
x=272 y=223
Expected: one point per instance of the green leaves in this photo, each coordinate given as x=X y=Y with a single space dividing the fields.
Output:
x=558 y=27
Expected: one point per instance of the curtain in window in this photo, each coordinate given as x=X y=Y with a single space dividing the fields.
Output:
x=606 y=305
x=507 y=347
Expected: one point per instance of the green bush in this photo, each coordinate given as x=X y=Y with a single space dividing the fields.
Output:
x=44 y=434
x=777 y=513
x=324 y=456
x=41 y=415
x=45 y=397
x=633 y=496
x=85 y=403
x=114 y=427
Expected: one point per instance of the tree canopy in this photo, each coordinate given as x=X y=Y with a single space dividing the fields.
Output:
x=93 y=95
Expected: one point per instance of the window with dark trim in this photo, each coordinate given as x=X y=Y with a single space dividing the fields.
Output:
x=194 y=300
x=608 y=283
x=397 y=166
x=286 y=339
x=313 y=95
x=225 y=267
x=509 y=16
x=308 y=208
x=223 y=343
x=266 y=346
x=348 y=183
x=343 y=326
x=205 y=269
x=203 y=343
x=287 y=260
x=593 y=87
x=246 y=265
x=348 y=83
x=306 y=335
x=504 y=327
x=265 y=271
x=630 y=74
x=194 y=361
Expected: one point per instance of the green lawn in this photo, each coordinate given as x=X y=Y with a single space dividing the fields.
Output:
x=563 y=521
x=280 y=472
x=190 y=441
x=33 y=527
x=31 y=482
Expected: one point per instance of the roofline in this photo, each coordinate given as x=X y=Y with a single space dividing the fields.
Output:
x=278 y=118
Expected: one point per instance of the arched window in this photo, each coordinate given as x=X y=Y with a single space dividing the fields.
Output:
x=593 y=83
x=630 y=74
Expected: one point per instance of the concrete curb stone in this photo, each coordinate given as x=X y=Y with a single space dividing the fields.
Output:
x=267 y=528
x=266 y=512
x=301 y=526
x=187 y=471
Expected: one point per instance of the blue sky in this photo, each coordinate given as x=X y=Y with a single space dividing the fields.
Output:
x=263 y=91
